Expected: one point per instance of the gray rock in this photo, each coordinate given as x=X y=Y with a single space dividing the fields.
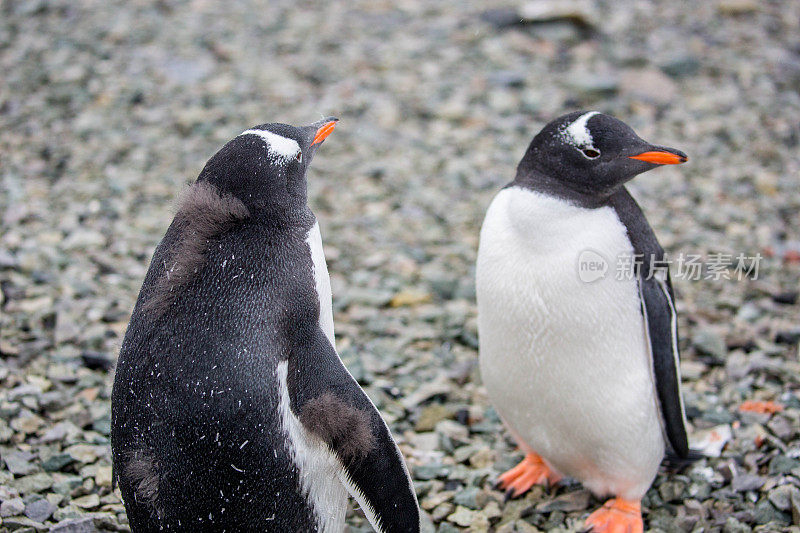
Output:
x=12 y=507
x=57 y=461
x=39 y=510
x=22 y=524
x=746 y=482
x=765 y=513
x=19 y=463
x=470 y=497
x=33 y=483
x=781 y=497
x=709 y=342
x=782 y=464
x=572 y=501
x=76 y=525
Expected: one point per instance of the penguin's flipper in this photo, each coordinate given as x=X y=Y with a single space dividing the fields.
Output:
x=331 y=405
x=661 y=329
x=660 y=318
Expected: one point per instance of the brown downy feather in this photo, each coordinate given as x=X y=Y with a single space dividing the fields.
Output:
x=141 y=470
x=203 y=215
x=348 y=430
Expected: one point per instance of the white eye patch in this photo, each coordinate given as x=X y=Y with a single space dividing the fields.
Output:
x=277 y=145
x=577 y=134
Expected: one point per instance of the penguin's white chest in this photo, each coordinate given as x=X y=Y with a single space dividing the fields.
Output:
x=565 y=360
x=322 y=281
x=319 y=469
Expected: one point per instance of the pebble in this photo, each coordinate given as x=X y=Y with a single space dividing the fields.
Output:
x=12 y=507
x=39 y=510
x=709 y=342
x=76 y=525
x=18 y=463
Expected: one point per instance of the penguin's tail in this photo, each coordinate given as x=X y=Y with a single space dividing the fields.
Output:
x=674 y=463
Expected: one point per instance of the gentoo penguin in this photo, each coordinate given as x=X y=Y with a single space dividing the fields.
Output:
x=231 y=410
x=580 y=356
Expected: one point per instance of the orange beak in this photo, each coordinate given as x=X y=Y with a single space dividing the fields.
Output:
x=660 y=158
x=323 y=132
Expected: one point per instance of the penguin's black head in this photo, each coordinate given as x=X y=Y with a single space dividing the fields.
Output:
x=265 y=166
x=591 y=154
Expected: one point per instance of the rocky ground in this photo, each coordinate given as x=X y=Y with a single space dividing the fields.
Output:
x=108 y=108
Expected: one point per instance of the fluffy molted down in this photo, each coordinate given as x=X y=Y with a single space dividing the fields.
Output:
x=346 y=429
x=141 y=470
x=203 y=215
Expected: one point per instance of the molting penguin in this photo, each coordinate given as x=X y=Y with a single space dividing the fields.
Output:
x=582 y=367
x=231 y=410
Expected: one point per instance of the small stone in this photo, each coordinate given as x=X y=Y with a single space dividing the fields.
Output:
x=57 y=461
x=452 y=429
x=711 y=441
x=23 y=524
x=672 y=490
x=27 y=424
x=746 y=482
x=578 y=13
x=518 y=526
x=425 y=472
x=765 y=513
x=76 y=525
x=103 y=476
x=483 y=458
x=470 y=497
x=12 y=507
x=782 y=464
x=410 y=298
x=781 y=497
x=18 y=463
x=441 y=511
x=436 y=499
x=781 y=427
x=90 y=501
x=39 y=510
x=66 y=485
x=424 y=442
x=709 y=342
x=431 y=415
x=33 y=483
x=462 y=516
x=84 y=453
x=734 y=526
x=572 y=501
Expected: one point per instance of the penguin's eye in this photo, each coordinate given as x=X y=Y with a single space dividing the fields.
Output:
x=299 y=157
x=591 y=153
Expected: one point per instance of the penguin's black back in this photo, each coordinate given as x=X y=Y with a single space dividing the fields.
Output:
x=196 y=426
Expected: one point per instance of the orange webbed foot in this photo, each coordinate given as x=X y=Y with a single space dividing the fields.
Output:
x=617 y=516
x=526 y=474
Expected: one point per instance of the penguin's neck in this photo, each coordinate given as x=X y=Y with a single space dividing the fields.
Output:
x=540 y=181
x=547 y=223
x=276 y=220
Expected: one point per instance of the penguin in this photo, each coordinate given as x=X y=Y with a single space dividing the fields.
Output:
x=580 y=356
x=231 y=410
